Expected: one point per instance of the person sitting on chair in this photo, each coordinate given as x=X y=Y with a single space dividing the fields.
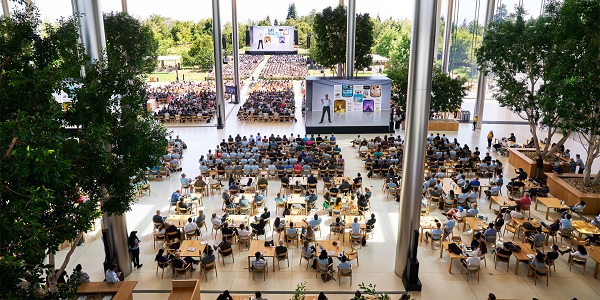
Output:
x=280 y=249
x=259 y=262
x=437 y=232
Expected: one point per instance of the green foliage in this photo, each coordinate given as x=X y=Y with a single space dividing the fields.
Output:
x=291 y=12
x=330 y=30
x=516 y=50
x=129 y=43
x=447 y=93
x=574 y=69
x=50 y=157
x=370 y=290
x=265 y=22
x=300 y=291
x=161 y=31
x=200 y=53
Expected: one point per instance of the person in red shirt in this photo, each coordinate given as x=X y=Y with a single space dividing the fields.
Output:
x=297 y=168
x=525 y=202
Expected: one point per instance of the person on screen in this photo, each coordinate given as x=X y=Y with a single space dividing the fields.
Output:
x=260 y=42
x=326 y=108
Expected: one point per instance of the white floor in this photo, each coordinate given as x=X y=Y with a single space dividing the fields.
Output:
x=376 y=260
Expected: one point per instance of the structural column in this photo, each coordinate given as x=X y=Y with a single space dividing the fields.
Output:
x=417 y=111
x=5 y=8
x=438 y=16
x=124 y=5
x=482 y=79
x=235 y=45
x=350 y=38
x=91 y=27
x=447 y=35
x=218 y=63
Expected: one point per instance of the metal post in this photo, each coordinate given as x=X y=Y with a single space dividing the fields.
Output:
x=91 y=27
x=124 y=5
x=235 y=45
x=481 y=79
x=438 y=16
x=447 y=35
x=218 y=64
x=419 y=98
x=5 y=8
x=350 y=37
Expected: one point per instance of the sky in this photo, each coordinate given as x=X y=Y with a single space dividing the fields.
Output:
x=194 y=10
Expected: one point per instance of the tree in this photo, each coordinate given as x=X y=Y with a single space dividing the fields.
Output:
x=501 y=13
x=51 y=157
x=291 y=12
x=265 y=22
x=574 y=69
x=447 y=93
x=515 y=50
x=129 y=43
x=200 y=53
x=330 y=31
x=161 y=30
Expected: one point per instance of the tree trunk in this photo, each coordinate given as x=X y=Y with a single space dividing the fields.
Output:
x=536 y=142
x=54 y=274
x=592 y=153
x=560 y=143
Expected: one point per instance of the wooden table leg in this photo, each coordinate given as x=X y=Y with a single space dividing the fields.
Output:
x=547 y=212
x=517 y=267
x=596 y=270
x=490 y=202
x=450 y=266
x=536 y=203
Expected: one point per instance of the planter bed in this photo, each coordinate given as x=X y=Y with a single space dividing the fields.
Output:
x=561 y=189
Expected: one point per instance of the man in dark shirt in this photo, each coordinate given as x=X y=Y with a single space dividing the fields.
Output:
x=223 y=246
x=372 y=220
x=157 y=218
x=311 y=179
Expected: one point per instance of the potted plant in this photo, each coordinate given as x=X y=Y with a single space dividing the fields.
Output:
x=300 y=291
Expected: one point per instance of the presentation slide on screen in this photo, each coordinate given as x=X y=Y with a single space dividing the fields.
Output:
x=355 y=97
x=272 y=38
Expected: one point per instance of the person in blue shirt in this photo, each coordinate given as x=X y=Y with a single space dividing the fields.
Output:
x=316 y=221
x=580 y=163
x=175 y=197
x=566 y=223
x=473 y=211
x=490 y=233
x=448 y=226
x=475 y=182
x=434 y=232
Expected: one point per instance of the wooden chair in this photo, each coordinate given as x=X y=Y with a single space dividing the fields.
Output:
x=280 y=257
x=225 y=253
x=344 y=273
x=498 y=257
x=568 y=233
x=353 y=255
x=355 y=239
x=436 y=238
x=577 y=260
x=158 y=237
x=208 y=268
x=163 y=266
x=470 y=271
x=324 y=270
x=216 y=229
x=545 y=272
x=244 y=240
x=182 y=271
x=510 y=227
x=189 y=235
x=291 y=238
x=551 y=263
x=264 y=271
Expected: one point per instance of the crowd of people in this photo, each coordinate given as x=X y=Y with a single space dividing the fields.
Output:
x=288 y=66
x=269 y=101
x=247 y=65
x=185 y=99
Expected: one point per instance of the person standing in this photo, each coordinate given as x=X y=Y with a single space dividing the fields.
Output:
x=326 y=108
x=579 y=162
x=134 y=248
x=260 y=42
x=475 y=118
x=490 y=137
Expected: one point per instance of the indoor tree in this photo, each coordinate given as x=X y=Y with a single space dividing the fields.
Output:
x=56 y=175
x=574 y=70
x=516 y=51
